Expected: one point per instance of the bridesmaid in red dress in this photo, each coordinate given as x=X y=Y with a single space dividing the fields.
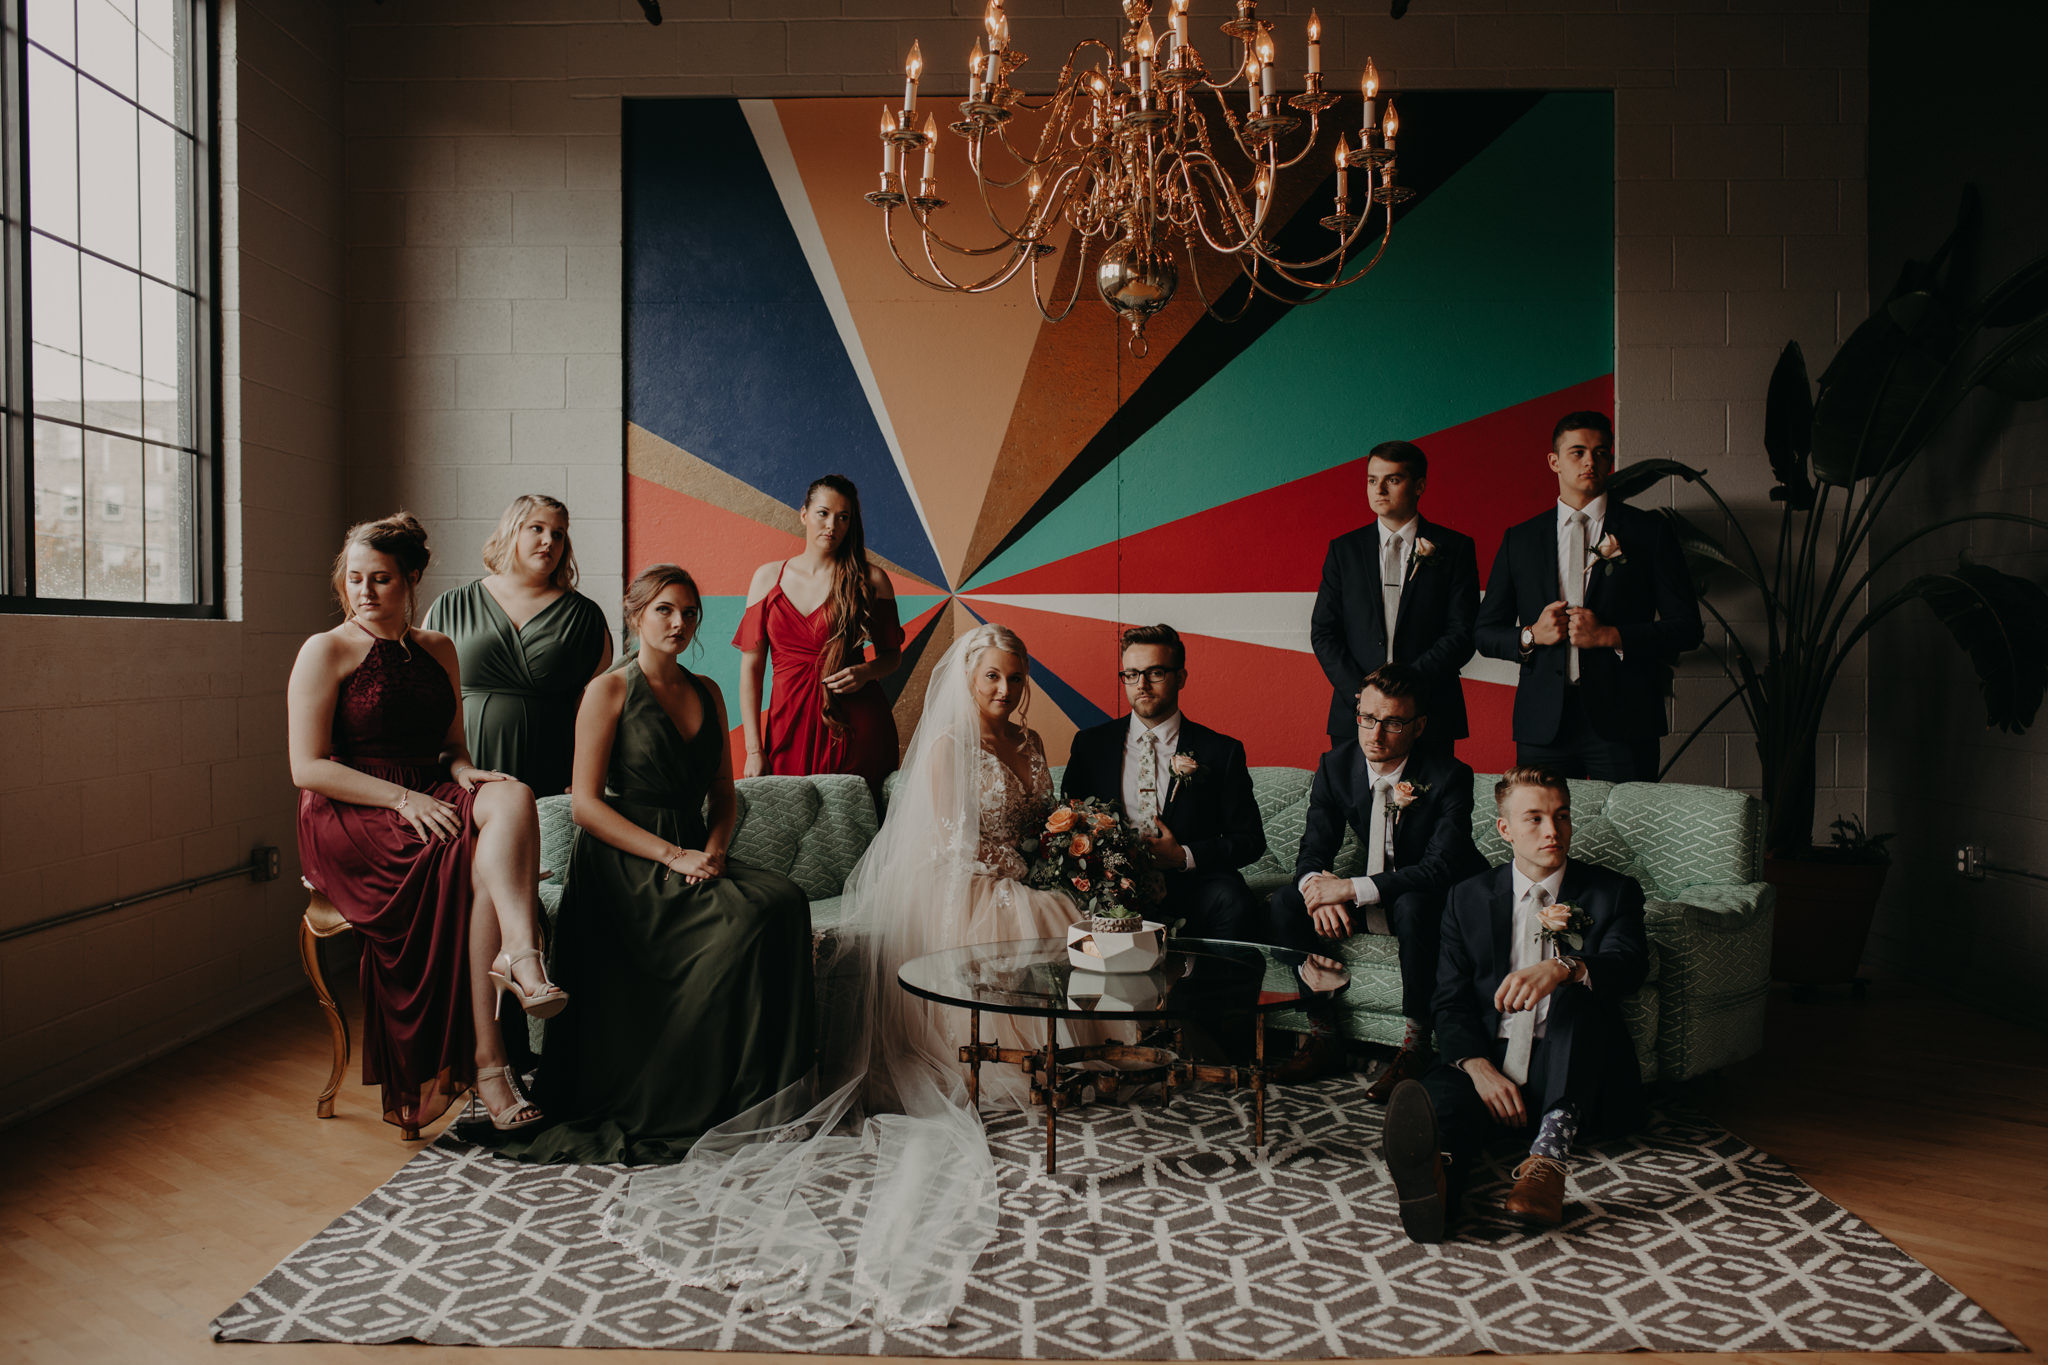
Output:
x=812 y=614
x=432 y=859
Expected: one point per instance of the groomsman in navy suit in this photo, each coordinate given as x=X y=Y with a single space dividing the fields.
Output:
x=1185 y=788
x=1592 y=598
x=1415 y=807
x=1401 y=590
x=1529 y=1032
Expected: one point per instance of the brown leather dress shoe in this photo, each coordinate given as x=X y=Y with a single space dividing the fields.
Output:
x=1320 y=1054
x=1407 y=1065
x=1538 y=1195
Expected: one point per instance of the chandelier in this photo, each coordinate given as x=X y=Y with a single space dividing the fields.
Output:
x=1137 y=163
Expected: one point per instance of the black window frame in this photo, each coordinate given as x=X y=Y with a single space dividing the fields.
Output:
x=17 y=469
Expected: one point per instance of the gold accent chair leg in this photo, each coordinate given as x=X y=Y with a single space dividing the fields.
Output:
x=309 y=958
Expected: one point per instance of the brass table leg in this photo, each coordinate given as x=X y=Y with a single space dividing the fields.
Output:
x=1051 y=1093
x=974 y=1067
x=1259 y=1080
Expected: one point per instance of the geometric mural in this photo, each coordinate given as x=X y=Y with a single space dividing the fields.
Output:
x=1038 y=473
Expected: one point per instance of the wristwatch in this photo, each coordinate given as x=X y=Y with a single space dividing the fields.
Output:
x=1528 y=639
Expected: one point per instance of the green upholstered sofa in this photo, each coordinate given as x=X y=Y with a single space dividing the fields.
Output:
x=1696 y=850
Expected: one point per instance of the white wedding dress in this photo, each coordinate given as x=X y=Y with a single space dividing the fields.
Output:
x=869 y=1192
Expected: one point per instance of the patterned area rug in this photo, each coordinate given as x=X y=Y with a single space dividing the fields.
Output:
x=1165 y=1237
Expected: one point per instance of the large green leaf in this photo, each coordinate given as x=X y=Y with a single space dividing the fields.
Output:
x=2023 y=373
x=1788 y=428
x=1632 y=479
x=2021 y=297
x=1878 y=385
x=2001 y=621
x=1703 y=552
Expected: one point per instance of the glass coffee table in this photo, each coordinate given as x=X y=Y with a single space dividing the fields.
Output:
x=1199 y=979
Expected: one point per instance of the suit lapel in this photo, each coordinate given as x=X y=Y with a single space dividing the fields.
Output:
x=1189 y=739
x=1539 y=548
x=1109 y=764
x=1501 y=918
x=1378 y=594
x=1411 y=570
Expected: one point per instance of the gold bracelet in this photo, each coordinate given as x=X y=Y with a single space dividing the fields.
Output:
x=404 y=795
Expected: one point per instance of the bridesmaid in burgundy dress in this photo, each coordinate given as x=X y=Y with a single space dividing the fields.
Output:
x=432 y=859
x=812 y=614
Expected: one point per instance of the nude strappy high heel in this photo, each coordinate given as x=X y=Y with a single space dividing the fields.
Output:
x=506 y=1120
x=544 y=1002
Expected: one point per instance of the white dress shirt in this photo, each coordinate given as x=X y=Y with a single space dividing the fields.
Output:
x=1166 y=736
x=1403 y=540
x=1526 y=940
x=1596 y=528
x=1362 y=889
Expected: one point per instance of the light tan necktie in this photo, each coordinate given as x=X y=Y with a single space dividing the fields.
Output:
x=1148 y=783
x=1376 y=854
x=1574 y=577
x=1390 y=583
x=1522 y=1026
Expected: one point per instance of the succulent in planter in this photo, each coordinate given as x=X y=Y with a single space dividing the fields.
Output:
x=1839 y=456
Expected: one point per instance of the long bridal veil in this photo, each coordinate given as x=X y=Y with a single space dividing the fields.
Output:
x=868 y=1190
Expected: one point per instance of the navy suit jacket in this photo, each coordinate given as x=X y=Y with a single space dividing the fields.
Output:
x=1475 y=954
x=1432 y=630
x=1432 y=838
x=1648 y=598
x=1214 y=814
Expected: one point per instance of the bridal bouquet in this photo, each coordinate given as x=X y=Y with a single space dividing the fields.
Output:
x=1090 y=852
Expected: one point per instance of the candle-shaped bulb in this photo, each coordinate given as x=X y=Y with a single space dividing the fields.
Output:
x=1003 y=33
x=1037 y=184
x=974 y=72
x=1343 y=151
x=888 y=121
x=1262 y=185
x=931 y=146
x=1315 y=44
x=1315 y=28
x=1343 y=170
x=914 y=66
x=1266 y=49
x=1372 y=80
x=1393 y=123
x=888 y=146
x=992 y=20
x=1251 y=81
x=1148 y=42
x=1180 y=27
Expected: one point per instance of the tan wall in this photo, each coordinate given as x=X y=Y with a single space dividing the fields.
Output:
x=137 y=753
x=483 y=214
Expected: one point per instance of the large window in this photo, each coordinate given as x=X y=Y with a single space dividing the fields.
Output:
x=112 y=495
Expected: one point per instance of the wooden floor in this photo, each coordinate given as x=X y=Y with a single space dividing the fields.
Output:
x=128 y=1218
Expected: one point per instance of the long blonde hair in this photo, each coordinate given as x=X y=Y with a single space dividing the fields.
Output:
x=499 y=547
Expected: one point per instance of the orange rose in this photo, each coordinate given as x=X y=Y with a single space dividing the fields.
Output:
x=1555 y=918
x=1079 y=845
x=1061 y=820
x=1104 y=821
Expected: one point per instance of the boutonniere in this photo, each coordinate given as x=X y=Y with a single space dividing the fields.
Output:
x=1609 y=551
x=1185 y=769
x=1563 y=923
x=1404 y=795
x=1423 y=551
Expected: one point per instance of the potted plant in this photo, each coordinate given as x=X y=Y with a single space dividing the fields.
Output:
x=1839 y=457
x=1088 y=853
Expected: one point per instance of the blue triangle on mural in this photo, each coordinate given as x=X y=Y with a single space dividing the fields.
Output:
x=710 y=253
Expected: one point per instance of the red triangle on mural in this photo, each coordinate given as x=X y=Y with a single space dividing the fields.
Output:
x=721 y=549
x=1274 y=540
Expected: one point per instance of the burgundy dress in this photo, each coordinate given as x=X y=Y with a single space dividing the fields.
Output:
x=409 y=901
x=797 y=741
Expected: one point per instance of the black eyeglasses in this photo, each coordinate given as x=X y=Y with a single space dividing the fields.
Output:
x=1156 y=673
x=1393 y=725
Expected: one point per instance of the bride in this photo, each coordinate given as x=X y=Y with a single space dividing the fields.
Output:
x=869 y=1190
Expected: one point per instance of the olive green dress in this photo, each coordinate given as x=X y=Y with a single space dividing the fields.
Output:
x=687 y=1003
x=521 y=685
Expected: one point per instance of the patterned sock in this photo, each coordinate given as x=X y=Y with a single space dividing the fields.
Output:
x=1415 y=1037
x=1554 y=1139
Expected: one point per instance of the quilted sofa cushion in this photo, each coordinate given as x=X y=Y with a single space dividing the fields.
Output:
x=1689 y=836
x=810 y=829
x=1595 y=837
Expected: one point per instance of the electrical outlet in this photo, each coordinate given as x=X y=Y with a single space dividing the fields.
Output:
x=1970 y=861
x=263 y=863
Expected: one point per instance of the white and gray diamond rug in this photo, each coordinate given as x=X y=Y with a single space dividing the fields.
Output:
x=1165 y=1237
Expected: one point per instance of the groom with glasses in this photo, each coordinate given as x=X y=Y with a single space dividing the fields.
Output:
x=1186 y=789
x=1412 y=811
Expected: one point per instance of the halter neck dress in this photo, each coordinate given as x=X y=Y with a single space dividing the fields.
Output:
x=797 y=741
x=409 y=901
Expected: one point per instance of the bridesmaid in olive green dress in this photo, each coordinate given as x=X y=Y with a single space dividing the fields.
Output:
x=692 y=973
x=528 y=642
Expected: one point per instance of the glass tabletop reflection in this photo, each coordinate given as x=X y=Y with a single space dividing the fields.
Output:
x=1197 y=976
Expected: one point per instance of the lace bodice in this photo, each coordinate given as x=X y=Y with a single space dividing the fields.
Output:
x=1011 y=813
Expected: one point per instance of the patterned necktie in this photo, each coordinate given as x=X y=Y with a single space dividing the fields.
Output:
x=1376 y=852
x=1390 y=583
x=1575 y=577
x=1522 y=1026
x=1148 y=783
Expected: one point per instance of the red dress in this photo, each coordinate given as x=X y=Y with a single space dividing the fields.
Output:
x=409 y=901
x=797 y=741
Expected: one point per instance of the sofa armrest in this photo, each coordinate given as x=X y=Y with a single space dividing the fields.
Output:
x=1715 y=908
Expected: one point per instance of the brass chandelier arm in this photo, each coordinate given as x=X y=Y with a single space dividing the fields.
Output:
x=1080 y=277
x=999 y=278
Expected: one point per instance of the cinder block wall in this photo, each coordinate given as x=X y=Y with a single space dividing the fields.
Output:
x=134 y=754
x=483 y=223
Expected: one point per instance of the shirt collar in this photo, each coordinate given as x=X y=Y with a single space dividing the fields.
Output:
x=1393 y=774
x=1403 y=533
x=1168 y=730
x=1596 y=515
x=1552 y=883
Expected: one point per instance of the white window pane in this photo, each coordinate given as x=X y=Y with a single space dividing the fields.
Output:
x=112 y=322
x=60 y=540
x=157 y=81
x=107 y=193
x=106 y=43
x=52 y=146
x=113 y=560
x=53 y=306
x=162 y=220
x=167 y=525
x=50 y=23
x=165 y=352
